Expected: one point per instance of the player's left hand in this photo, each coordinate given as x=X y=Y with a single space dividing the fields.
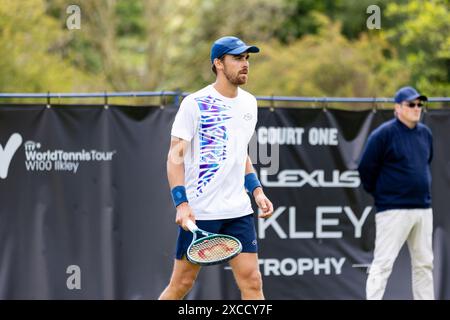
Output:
x=263 y=203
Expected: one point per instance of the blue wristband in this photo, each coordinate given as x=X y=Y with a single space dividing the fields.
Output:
x=179 y=195
x=251 y=182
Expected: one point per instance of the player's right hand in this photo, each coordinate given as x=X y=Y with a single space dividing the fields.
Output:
x=184 y=213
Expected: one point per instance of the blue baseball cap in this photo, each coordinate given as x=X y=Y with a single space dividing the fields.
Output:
x=408 y=94
x=230 y=45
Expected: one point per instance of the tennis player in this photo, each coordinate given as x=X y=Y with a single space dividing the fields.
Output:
x=209 y=169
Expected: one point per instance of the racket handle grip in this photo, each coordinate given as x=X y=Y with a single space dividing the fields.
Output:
x=191 y=226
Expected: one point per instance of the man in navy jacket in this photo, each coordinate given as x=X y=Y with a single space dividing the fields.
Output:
x=395 y=170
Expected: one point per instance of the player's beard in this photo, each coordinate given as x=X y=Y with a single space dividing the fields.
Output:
x=237 y=79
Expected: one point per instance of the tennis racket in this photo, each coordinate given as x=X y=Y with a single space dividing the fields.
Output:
x=211 y=249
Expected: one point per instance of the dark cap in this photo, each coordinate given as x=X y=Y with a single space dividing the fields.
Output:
x=408 y=94
x=230 y=45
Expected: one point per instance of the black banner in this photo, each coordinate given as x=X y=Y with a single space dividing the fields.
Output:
x=86 y=211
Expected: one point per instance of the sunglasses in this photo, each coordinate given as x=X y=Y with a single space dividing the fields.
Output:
x=413 y=104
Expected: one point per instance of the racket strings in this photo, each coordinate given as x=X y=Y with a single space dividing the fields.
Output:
x=214 y=249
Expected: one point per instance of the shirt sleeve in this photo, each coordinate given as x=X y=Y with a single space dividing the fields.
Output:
x=186 y=120
x=370 y=163
x=256 y=110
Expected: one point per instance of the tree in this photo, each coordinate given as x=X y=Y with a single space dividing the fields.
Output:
x=181 y=34
x=328 y=64
x=27 y=36
x=422 y=38
x=299 y=17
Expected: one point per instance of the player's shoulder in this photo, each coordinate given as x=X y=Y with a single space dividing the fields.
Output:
x=384 y=129
x=424 y=127
x=199 y=93
x=247 y=96
x=191 y=99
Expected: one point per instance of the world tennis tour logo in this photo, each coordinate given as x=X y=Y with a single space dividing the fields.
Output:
x=7 y=153
x=38 y=158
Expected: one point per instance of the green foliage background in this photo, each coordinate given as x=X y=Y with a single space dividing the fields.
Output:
x=308 y=47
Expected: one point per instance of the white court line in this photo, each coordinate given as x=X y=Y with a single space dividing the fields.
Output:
x=361 y=265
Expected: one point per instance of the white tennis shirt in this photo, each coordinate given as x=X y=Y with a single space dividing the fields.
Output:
x=219 y=130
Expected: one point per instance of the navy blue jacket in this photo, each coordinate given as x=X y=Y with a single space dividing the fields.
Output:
x=395 y=166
